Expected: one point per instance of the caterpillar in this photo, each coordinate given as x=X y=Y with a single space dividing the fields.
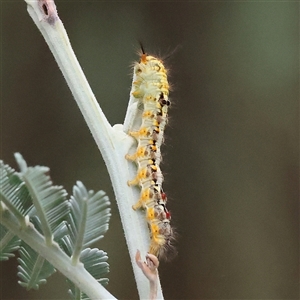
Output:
x=151 y=89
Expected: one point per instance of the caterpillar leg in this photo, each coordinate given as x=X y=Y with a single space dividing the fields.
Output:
x=131 y=157
x=141 y=152
x=138 y=205
x=134 y=181
x=137 y=134
x=145 y=196
x=142 y=174
x=144 y=152
x=146 y=132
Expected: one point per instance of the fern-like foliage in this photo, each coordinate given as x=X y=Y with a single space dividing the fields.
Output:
x=13 y=192
x=95 y=262
x=8 y=243
x=13 y=196
x=33 y=269
x=50 y=203
x=89 y=216
x=88 y=221
x=34 y=204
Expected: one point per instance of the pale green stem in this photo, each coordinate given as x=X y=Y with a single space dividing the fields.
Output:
x=6 y=239
x=113 y=143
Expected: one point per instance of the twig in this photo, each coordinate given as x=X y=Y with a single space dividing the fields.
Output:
x=113 y=143
x=149 y=269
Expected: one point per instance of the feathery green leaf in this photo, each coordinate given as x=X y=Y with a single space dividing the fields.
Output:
x=95 y=262
x=98 y=213
x=8 y=243
x=33 y=268
x=50 y=202
x=30 y=196
x=13 y=192
x=88 y=218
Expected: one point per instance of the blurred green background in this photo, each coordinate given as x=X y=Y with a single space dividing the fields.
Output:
x=231 y=155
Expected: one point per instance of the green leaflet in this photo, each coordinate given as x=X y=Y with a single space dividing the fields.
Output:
x=88 y=218
x=8 y=243
x=13 y=192
x=14 y=196
x=49 y=201
x=33 y=269
x=95 y=262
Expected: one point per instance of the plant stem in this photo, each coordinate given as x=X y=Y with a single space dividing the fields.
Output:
x=112 y=142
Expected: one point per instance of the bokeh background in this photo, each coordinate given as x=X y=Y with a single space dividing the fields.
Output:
x=231 y=155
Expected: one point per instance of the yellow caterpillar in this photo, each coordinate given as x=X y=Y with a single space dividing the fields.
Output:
x=151 y=89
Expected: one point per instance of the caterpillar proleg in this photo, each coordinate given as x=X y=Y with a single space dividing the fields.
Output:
x=150 y=90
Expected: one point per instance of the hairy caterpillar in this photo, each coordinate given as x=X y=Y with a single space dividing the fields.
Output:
x=151 y=89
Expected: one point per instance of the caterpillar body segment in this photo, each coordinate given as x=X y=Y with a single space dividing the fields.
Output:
x=151 y=196
x=162 y=238
x=147 y=176
x=146 y=154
